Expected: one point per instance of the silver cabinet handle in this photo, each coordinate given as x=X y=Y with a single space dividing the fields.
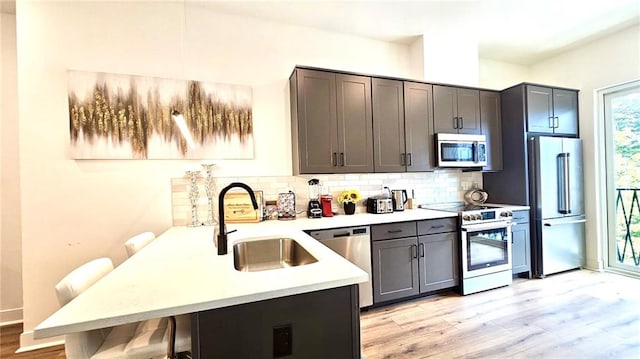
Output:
x=403 y=159
x=334 y=159
x=342 y=159
x=551 y=122
x=409 y=156
x=421 y=250
x=455 y=122
x=556 y=122
x=414 y=251
x=461 y=122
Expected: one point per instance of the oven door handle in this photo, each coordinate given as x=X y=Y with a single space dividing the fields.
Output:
x=482 y=227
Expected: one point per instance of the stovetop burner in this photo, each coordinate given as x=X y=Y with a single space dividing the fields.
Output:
x=474 y=214
x=457 y=207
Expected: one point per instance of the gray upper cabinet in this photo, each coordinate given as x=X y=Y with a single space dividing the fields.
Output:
x=456 y=110
x=402 y=126
x=491 y=122
x=355 y=145
x=388 y=126
x=552 y=111
x=418 y=125
x=331 y=122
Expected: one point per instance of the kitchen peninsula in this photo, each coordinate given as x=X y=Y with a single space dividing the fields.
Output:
x=181 y=273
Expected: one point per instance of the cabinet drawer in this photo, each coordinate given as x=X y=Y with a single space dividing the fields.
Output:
x=441 y=225
x=521 y=216
x=393 y=230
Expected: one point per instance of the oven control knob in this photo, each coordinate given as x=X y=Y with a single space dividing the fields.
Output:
x=466 y=217
x=506 y=214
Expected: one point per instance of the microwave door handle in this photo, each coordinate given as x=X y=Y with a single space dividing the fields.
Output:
x=474 y=150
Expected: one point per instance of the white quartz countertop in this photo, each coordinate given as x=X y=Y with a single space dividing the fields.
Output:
x=180 y=272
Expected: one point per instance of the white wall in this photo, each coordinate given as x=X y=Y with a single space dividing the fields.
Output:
x=500 y=75
x=610 y=61
x=73 y=211
x=10 y=244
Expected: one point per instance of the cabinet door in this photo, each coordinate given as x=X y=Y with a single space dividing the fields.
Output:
x=491 y=123
x=355 y=141
x=468 y=111
x=395 y=269
x=317 y=125
x=539 y=109
x=418 y=125
x=565 y=109
x=388 y=126
x=438 y=261
x=520 y=248
x=445 y=109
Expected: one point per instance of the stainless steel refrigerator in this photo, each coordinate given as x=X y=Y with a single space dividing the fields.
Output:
x=557 y=202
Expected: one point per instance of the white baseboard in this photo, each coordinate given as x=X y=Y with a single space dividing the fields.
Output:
x=10 y=316
x=595 y=265
x=27 y=343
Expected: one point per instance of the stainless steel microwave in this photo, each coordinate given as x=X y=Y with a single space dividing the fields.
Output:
x=460 y=150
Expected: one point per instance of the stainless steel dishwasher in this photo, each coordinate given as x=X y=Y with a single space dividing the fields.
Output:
x=354 y=244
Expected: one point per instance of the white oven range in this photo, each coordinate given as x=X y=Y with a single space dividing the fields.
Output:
x=485 y=246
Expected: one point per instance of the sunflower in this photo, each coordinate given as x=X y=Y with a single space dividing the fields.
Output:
x=349 y=196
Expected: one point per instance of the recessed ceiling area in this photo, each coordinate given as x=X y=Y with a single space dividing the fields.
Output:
x=521 y=32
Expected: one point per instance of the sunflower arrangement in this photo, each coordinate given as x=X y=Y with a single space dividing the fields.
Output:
x=349 y=196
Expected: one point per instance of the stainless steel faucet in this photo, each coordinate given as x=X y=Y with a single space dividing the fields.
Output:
x=222 y=230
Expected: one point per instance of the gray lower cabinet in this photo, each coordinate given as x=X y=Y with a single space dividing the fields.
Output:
x=410 y=258
x=395 y=269
x=321 y=324
x=521 y=243
x=438 y=261
x=456 y=110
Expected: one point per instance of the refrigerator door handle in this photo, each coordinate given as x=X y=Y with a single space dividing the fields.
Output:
x=564 y=200
x=548 y=224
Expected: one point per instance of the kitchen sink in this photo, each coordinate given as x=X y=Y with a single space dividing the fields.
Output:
x=271 y=253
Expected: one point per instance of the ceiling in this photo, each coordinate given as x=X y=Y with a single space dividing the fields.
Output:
x=516 y=31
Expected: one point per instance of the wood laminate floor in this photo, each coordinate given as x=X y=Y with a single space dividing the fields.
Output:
x=579 y=314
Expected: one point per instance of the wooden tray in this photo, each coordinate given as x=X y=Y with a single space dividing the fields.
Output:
x=238 y=207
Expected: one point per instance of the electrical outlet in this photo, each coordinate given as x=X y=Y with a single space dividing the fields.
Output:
x=282 y=341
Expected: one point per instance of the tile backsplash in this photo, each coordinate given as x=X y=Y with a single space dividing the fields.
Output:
x=429 y=187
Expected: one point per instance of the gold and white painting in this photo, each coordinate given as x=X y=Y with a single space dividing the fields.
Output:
x=114 y=116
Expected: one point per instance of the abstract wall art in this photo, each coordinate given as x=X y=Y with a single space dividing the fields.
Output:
x=113 y=116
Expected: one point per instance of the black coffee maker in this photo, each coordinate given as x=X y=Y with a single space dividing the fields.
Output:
x=313 y=209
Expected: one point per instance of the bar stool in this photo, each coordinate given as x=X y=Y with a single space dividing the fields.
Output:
x=179 y=326
x=144 y=340
x=137 y=242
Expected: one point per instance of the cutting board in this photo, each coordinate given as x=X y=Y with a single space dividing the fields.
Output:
x=238 y=207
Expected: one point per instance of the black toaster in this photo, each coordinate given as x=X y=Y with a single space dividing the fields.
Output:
x=379 y=205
